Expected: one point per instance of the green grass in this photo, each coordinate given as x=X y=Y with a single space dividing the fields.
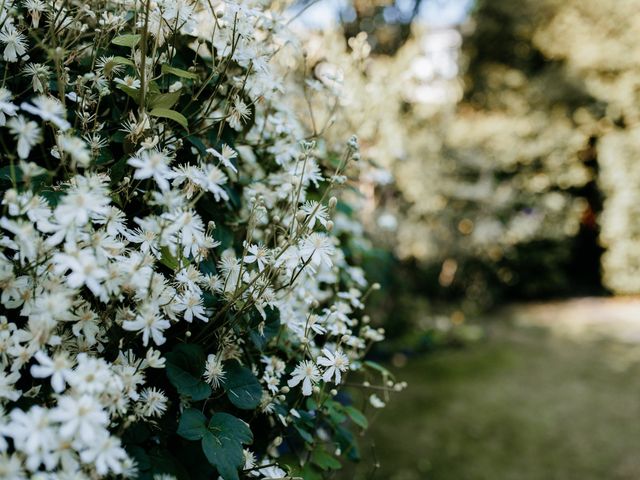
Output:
x=520 y=405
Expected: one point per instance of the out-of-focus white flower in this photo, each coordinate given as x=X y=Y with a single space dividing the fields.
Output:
x=49 y=109
x=26 y=132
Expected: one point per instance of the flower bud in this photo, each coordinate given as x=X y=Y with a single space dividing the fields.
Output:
x=329 y=226
x=333 y=201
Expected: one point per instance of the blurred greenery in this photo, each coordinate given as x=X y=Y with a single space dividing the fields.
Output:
x=513 y=138
x=519 y=405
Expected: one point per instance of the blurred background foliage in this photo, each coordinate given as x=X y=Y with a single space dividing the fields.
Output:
x=506 y=135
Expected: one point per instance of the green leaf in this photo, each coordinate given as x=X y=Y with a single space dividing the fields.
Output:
x=306 y=436
x=118 y=60
x=178 y=72
x=222 y=444
x=242 y=387
x=192 y=425
x=171 y=115
x=378 y=367
x=324 y=460
x=168 y=260
x=185 y=365
x=129 y=40
x=163 y=100
x=228 y=425
x=357 y=416
x=335 y=411
x=132 y=92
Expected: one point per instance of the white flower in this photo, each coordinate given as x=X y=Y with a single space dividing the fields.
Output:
x=271 y=472
x=49 y=109
x=106 y=453
x=240 y=113
x=318 y=249
x=214 y=178
x=75 y=147
x=91 y=376
x=15 y=43
x=375 y=401
x=336 y=362
x=152 y=164
x=7 y=385
x=39 y=74
x=257 y=254
x=6 y=106
x=316 y=212
x=225 y=156
x=214 y=371
x=191 y=304
x=85 y=270
x=307 y=373
x=58 y=369
x=11 y=467
x=153 y=359
x=81 y=418
x=153 y=401
x=35 y=9
x=33 y=435
x=128 y=81
x=27 y=133
x=150 y=324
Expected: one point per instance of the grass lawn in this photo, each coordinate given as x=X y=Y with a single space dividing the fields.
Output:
x=522 y=404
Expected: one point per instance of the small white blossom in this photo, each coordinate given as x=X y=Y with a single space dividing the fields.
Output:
x=335 y=363
x=307 y=373
x=49 y=109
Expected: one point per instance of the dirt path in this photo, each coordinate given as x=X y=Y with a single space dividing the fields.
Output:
x=552 y=393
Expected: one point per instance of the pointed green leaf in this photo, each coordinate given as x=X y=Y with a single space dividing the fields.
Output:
x=222 y=444
x=132 y=92
x=233 y=427
x=117 y=60
x=185 y=365
x=129 y=40
x=164 y=100
x=171 y=115
x=378 y=367
x=193 y=424
x=242 y=387
x=357 y=416
x=178 y=72
x=324 y=460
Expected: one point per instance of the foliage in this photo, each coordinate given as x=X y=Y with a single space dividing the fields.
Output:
x=177 y=301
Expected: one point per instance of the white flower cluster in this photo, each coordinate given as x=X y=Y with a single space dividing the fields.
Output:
x=160 y=194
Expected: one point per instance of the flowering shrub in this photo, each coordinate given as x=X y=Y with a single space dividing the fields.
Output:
x=175 y=301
